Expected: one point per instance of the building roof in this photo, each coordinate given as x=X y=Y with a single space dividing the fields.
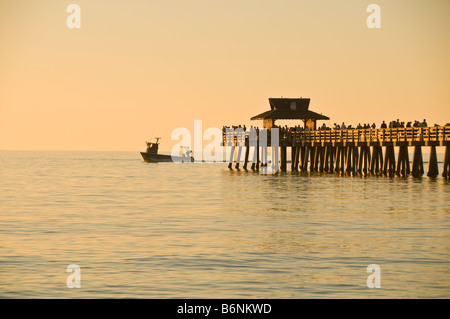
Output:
x=289 y=109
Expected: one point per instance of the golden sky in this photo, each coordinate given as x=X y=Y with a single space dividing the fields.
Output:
x=141 y=68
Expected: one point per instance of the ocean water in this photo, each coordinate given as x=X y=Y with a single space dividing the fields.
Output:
x=165 y=230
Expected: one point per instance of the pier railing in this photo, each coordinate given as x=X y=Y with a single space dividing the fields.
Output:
x=438 y=135
x=390 y=135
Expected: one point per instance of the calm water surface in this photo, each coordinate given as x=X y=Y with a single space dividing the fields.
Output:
x=165 y=230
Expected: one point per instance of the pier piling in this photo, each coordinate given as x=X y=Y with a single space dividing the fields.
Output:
x=432 y=163
x=389 y=161
x=247 y=153
x=238 y=156
x=304 y=164
x=417 y=164
x=403 y=161
x=283 y=155
x=293 y=150
x=231 y=158
x=376 y=162
x=446 y=164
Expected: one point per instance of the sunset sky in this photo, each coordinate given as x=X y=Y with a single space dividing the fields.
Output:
x=141 y=68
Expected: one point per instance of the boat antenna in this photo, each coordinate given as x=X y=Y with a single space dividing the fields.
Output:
x=151 y=138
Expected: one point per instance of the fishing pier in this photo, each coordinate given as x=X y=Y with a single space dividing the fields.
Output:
x=345 y=152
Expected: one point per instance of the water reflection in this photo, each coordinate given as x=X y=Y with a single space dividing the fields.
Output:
x=201 y=230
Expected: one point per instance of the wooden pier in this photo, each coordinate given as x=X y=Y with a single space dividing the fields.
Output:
x=344 y=152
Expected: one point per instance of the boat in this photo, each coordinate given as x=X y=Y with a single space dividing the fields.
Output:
x=151 y=154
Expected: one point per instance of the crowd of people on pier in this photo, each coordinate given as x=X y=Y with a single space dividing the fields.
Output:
x=343 y=126
x=397 y=123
